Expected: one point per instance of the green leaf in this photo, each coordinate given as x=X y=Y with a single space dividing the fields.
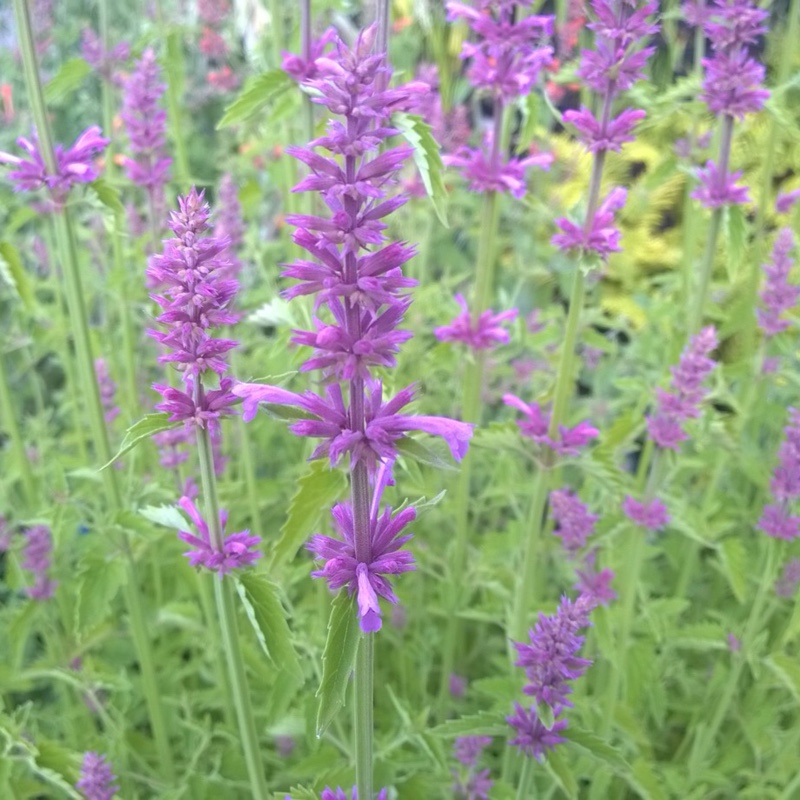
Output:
x=598 y=747
x=736 y=237
x=71 y=75
x=108 y=196
x=13 y=272
x=787 y=670
x=256 y=96
x=484 y=723
x=422 y=453
x=168 y=516
x=560 y=768
x=418 y=134
x=645 y=781
x=736 y=566
x=143 y=429
x=268 y=618
x=317 y=490
x=98 y=584
x=338 y=656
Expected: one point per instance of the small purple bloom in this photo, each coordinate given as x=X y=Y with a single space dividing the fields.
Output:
x=108 y=389
x=786 y=585
x=777 y=520
x=238 y=549
x=228 y=222
x=573 y=522
x=734 y=644
x=778 y=295
x=786 y=200
x=104 y=62
x=650 y=514
x=302 y=70
x=595 y=586
x=457 y=685
x=717 y=188
x=468 y=749
x=602 y=236
x=36 y=559
x=485 y=334
x=533 y=739
x=609 y=136
x=97 y=780
x=341 y=794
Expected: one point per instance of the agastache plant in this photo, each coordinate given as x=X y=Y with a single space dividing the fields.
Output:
x=357 y=275
x=97 y=780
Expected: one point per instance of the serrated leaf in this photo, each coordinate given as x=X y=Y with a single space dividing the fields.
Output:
x=71 y=75
x=427 y=157
x=787 y=670
x=298 y=793
x=317 y=490
x=168 y=516
x=598 y=747
x=344 y=634
x=98 y=585
x=735 y=564
x=143 y=429
x=255 y=97
x=108 y=196
x=422 y=453
x=268 y=618
x=484 y=723
x=14 y=274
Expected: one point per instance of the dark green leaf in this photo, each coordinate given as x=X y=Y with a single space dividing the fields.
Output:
x=256 y=96
x=268 y=618
x=418 y=134
x=317 y=490
x=736 y=565
x=143 y=429
x=338 y=656
x=67 y=80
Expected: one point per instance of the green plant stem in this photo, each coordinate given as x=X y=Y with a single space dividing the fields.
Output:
x=9 y=422
x=526 y=788
x=707 y=265
x=470 y=412
x=754 y=625
x=363 y=689
x=226 y=612
x=78 y=317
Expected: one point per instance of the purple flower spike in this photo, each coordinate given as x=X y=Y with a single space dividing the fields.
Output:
x=36 y=559
x=74 y=165
x=687 y=393
x=596 y=586
x=104 y=62
x=238 y=549
x=485 y=334
x=574 y=523
x=533 y=739
x=97 y=780
x=717 y=188
x=785 y=201
x=778 y=295
x=651 y=514
x=303 y=71
x=777 y=520
x=602 y=237
x=786 y=585
x=468 y=749
x=610 y=136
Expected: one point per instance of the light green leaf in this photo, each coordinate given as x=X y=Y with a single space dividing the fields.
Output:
x=422 y=453
x=560 y=769
x=317 y=490
x=143 y=429
x=736 y=566
x=268 y=618
x=12 y=271
x=168 y=516
x=71 y=75
x=645 y=781
x=256 y=96
x=108 y=196
x=484 y=723
x=735 y=227
x=418 y=134
x=98 y=583
x=338 y=656
x=598 y=747
x=788 y=670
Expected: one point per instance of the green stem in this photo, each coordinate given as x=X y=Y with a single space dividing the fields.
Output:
x=17 y=444
x=226 y=611
x=754 y=625
x=77 y=311
x=526 y=788
x=363 y=714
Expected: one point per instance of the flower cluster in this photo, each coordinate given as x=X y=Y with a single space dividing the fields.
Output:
x=75 y=164
x=108 y=390
x=305 y=69
x=612 y=67
x=106 y=63
x=485 y=333
x=97 y=780
x=649 y=514
x=36 y=559
x=506 y=61
x=470 y=783
x=686 y=393
x=145 y=122
x=238 y=550
x=777 y=520
x=551 y=664
x=536 y=426
x=778 y=295
x=786 y=585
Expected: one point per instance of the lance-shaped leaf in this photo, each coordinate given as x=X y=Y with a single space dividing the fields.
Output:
x=143 y=429
x=256 y=96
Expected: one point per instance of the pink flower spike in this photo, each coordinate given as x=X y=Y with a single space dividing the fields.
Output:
x=651 y=514
x=485 y=334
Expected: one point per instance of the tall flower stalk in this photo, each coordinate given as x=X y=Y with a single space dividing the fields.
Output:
x=76 y=304
x=356 y=276
x=611 y=68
